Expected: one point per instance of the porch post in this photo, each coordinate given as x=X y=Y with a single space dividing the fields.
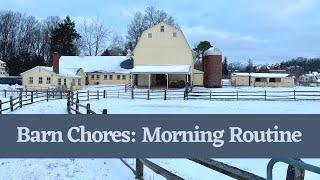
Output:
x=149 y=81
x=167 y=81
x=131 y=78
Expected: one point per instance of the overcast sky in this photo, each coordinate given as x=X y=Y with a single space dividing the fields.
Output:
x=266 y=31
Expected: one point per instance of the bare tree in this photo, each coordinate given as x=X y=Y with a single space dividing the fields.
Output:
x=94 y=37
x=136 y=28
x=143 y=21
x=117 y=46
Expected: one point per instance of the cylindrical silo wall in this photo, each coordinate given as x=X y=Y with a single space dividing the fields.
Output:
x=212 y=76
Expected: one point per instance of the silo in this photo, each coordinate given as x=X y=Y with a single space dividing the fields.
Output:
x=212 y=67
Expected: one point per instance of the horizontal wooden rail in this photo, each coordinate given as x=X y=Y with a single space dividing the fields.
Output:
x=227 y=169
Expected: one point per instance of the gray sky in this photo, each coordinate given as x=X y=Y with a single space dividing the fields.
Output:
x=266 y=31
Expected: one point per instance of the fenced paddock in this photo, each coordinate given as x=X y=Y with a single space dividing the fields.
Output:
x=201 y=94
x=14 y=99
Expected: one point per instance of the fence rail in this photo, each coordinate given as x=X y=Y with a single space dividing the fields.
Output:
x=19 y=98
x=225 y=169
x=236 y=95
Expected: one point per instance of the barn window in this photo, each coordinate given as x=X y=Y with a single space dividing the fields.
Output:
x=110 y=77
x=98 y=77
x=79 y=82
x=65 y=82
x=118 y=77
x=40 y=80
x=59 y=82
x=105 y=77
x=174 y=34
x=275 y=80
x=48 y=80
x=123 y=77
x=261 y=79
x=162 y=28
x=30 y=80
x=149 y=35
x=92 y=76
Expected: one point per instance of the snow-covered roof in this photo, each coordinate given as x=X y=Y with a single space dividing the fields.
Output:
x=69 y=72
x=212 y=51
x=161 y=69
x=241 y=74
x=262 y=75
x=93 y=63
x=269 y=75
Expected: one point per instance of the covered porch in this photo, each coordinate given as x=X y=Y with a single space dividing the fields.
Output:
x=160 y=76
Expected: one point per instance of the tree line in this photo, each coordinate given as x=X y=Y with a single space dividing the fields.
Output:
x=26 y=42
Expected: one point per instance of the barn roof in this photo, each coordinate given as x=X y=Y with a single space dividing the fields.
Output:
x=95 y=63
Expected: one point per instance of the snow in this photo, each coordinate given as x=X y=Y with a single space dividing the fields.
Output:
x=114 y=169
x=69 y=72
x=161 y=69
x=262 y=75
x=93 y=63
x=64 y=169
x=212 y=51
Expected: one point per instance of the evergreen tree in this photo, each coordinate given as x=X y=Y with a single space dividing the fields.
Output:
x=106 y=53
x=64 y=37
x=225 y=70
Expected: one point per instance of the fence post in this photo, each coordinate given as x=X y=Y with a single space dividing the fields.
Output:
x=294 y=94
x=104 y=94
x=237 y=95
x=148 y=94
x=0 y=106
x=77 y=95
x=11 y=104
x=104 y=111
x=31 y=97
x=26 y=93
x=125 y=88
x=68 y=103
x=20 y=101
x=132 y=93
x=139 y=169
x=165 y=94
x=47 y=95
x=210 y=94
x=36 y=93
x=98 y=94
x=88 y=108
x=88 y=95
x=77 y=106
x=5 y=93
x=60 y=94
x=265 y=95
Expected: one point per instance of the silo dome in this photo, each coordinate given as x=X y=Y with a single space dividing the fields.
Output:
x=212 y=51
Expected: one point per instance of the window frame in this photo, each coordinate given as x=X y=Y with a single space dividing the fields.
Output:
x=48 y=81
x=150 y=35
x=40 y=80
x=175 y=34
x=30 y=80
x=162 y=28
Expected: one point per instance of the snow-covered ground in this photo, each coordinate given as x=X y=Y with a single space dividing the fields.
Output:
x=60 y=169
x=114 y=169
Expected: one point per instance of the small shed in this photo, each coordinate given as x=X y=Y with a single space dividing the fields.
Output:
x=262 y=79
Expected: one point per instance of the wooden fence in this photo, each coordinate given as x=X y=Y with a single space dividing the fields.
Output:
x=211 y=95
x=220 y=167
x=73 y=104
x=23 y=98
